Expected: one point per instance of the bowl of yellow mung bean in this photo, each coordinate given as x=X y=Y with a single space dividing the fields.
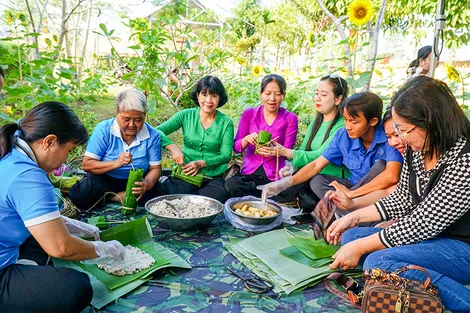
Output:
x=255 y=212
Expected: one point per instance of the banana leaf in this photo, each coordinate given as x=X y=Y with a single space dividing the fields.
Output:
x=194 y=180
x=103 y=296
x=112 y=282
x=137 y=233
x=261 y=254
x=311 y=248
x=295 y=254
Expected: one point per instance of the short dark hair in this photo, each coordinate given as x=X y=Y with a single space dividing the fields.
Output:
x=278 y=79
x=387 y=114
x=429 y=104
x=212 y=85
x=45 y=119
x=2 y=72
x=366 y=102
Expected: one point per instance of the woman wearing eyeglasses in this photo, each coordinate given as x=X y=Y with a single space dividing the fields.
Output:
x=431 y=202
x=330 y=93
x=208 y=140
x=261 y=165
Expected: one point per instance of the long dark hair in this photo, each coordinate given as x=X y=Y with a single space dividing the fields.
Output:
x=429 y=104
x=340 y=88
x=47 y=118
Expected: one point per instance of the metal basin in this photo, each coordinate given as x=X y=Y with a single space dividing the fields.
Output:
x=270 y=205
x=176 y=223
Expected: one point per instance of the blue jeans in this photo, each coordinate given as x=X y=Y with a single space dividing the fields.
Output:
x=446 y=260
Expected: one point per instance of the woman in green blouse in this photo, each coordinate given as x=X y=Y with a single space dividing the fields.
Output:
x=208 y=141
x=330 y=92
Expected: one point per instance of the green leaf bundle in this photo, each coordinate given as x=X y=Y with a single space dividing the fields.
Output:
x=194 y=180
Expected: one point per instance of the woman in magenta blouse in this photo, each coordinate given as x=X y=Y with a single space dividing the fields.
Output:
x=263 y=167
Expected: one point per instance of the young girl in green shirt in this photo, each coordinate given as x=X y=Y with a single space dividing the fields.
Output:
x=330 y=92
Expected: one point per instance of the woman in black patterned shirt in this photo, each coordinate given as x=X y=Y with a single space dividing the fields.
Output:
x=431 y=202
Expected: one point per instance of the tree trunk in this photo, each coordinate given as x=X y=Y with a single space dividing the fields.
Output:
x=85 y=41
x=374 y=42
x=35 y=38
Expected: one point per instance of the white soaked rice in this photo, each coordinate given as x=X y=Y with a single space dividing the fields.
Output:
x=135 y=260
x=183 y=208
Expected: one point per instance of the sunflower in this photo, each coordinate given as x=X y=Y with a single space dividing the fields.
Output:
x=360 y=12
x=452 y=73
x=256 y=70
x=241 y=60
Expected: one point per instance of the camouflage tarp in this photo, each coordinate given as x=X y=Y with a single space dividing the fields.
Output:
x=209 y=287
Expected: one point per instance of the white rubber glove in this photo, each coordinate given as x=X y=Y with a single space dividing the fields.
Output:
x=109 y=252
x=81 y=229
x=287 y=170
x=274 y=188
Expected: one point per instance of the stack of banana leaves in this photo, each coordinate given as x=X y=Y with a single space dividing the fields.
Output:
x=291 y=261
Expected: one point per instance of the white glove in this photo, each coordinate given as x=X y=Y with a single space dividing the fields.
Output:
x=287 y=170
x=110 y=253
x=274 y=188
x=81 y=229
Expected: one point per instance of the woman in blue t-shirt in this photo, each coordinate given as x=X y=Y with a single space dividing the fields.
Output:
x=32 y=228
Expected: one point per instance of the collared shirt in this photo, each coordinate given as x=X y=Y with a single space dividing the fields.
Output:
x=444 y=211
x=284 y=128
x=213 y=144
x=352 y=153
x=27 y=198
x=106 y=144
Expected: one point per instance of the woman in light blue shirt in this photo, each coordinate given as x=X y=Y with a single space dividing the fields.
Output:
x=32 y=228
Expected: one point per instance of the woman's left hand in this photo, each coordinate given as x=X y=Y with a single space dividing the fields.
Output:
x=342 y=188
x=141 y=188
x=192 y=168
x=271 y=151
x=347 y=257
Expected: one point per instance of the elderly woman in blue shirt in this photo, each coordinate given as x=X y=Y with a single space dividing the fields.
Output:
x=115 y=147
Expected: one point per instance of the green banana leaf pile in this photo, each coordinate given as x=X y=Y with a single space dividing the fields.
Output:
x=291 y=262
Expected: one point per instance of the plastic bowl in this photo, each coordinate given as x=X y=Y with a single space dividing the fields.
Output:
x=176 y=223
x=270 y=205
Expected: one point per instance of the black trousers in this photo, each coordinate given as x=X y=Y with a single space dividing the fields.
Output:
x=38 y=289
x=212 y=188
x=245 y=185
x=87 y=191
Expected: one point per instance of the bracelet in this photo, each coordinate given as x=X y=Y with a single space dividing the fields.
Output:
x=291 y=154
x=357 y=219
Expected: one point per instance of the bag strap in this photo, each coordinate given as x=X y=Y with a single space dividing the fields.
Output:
x=415 y=267
x=349 y=284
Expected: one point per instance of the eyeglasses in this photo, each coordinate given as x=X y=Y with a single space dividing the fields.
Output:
x=402 y=134
x=336 y=76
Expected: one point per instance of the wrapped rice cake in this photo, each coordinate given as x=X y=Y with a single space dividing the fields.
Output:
x=135 y=260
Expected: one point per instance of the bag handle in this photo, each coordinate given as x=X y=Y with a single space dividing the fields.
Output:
x=349 y=284
x=418 y=268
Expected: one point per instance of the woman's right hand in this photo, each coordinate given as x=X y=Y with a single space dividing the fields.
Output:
x=176 y=154
x=251 y=138
x=340 y=199
x=124 y=158
x=338 y=227
x=110 y=252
